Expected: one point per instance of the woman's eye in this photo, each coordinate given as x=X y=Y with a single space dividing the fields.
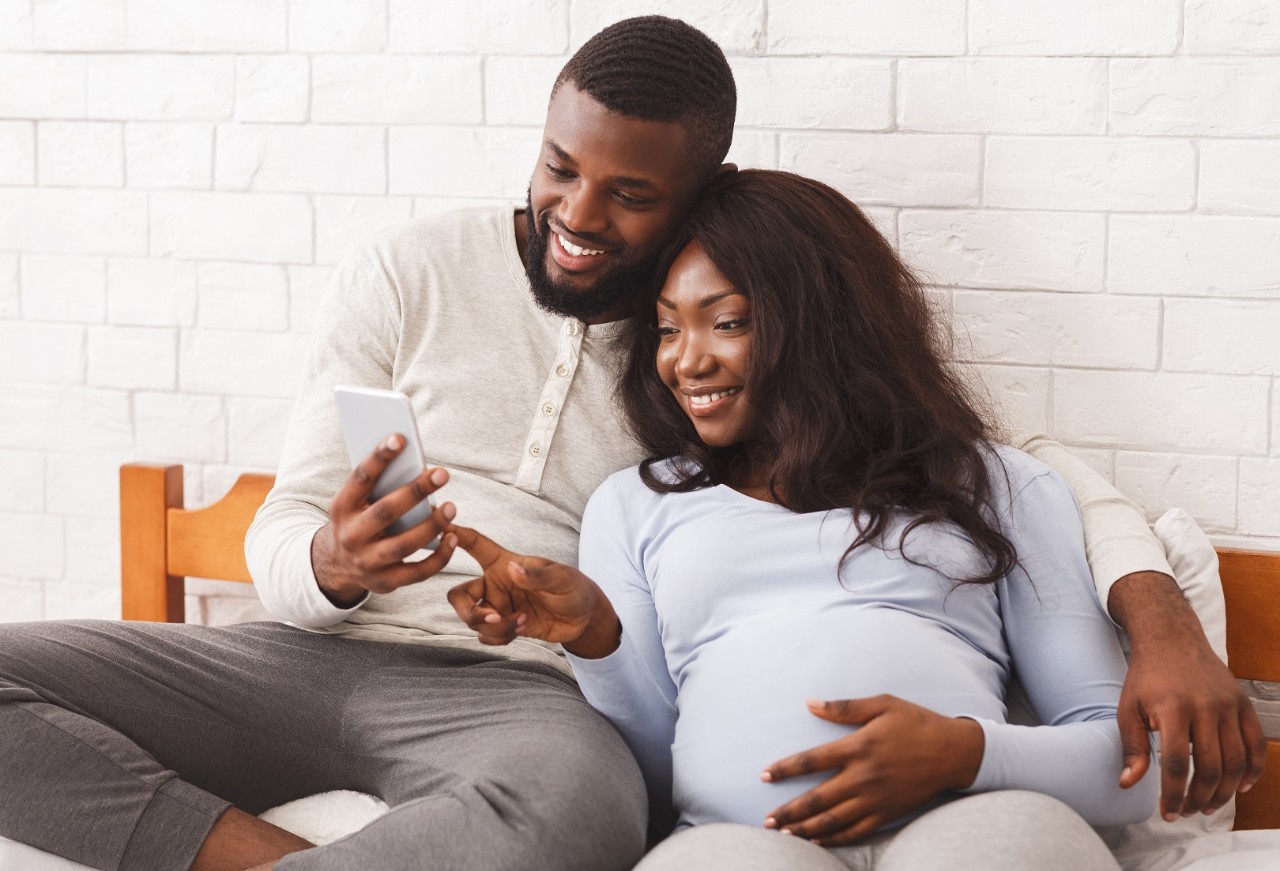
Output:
x=734 y=324
x=664 y=332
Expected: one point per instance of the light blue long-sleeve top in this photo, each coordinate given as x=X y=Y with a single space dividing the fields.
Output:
x=734 y=611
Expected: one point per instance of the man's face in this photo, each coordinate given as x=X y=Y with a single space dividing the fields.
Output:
x=608 y=190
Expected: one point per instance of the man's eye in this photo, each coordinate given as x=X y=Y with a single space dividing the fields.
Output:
x=558 y=171
x=628 y=200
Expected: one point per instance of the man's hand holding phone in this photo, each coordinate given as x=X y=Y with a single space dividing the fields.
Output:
x=353 y=554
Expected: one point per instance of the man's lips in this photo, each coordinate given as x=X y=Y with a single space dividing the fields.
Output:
x=572 y=256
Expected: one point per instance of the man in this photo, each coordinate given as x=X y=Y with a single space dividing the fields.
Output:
x=142 y=746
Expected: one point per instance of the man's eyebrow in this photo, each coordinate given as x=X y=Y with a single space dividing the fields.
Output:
x=625 y=181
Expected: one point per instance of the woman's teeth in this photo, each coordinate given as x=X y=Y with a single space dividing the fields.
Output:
x=709 y=398
x=574 y=249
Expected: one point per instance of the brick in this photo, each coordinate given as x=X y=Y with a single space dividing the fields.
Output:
x=61 y=93
x=1193 y=255
x=240 y=296
x=85 y=485
x=181 y=428
x=93 y=552
x=1204 y=487
x=752 y=149
x=1161 y=411
x=10 y=295
x=1085 y=27
x=1230 y=336
x=821 y=92
x=1275 y=416
x=23 y=600
x=1225 y=27
x=16 y=29
x=52 y=221
x=160 y=156
x=30 y=546
x=492 y=27
x=256 y=430
x=64 y=419
x=517 y=89
x=1196 y=97
x=197 y=26
x=300 y=159
x=1018 y=394
x=74 y=601
x=81 y=154
x=133 y=358
x=342 y=222
x=904 y=27
x=23 y=475
x=79 y=25
x=895 y=169
x=306 y=287
x=396 y=90
x=337 y=25
x=1089 y=174
x=463 y=161
x=1003 y=95
x=1053 y=329
x=41 y=353
x=737 y=26
x=160 y=87
x=1259 y=496
x=64 y=289
x=1239 y=176
x=262 y=228
x=17 y=153
x=227 y=361
x=273 y=88
x=151 y=293
x=1005 y=250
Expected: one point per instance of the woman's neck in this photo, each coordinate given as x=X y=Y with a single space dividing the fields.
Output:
x=751 y=478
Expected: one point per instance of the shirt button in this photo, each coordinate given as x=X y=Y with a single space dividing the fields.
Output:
x=548 y=409
x=573 y=328
x=535 y=450
x=562 y=371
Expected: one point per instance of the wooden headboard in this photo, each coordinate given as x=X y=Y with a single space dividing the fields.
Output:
x=162 y=543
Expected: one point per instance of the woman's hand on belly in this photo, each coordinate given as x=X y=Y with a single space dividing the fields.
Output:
x=902 y=756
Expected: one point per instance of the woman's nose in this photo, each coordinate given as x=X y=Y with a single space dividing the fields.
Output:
x=694 y=359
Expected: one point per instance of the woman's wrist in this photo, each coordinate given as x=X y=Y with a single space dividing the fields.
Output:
x=968 y=745
x=603 y=633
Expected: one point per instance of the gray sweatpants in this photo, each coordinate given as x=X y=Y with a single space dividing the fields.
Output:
x=122 y=743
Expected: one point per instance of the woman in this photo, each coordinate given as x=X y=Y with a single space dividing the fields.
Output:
x=824 y=516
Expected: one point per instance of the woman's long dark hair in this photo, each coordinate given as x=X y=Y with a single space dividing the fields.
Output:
x=856 y=407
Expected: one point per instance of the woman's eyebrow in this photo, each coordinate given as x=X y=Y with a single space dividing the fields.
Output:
x=703 y=303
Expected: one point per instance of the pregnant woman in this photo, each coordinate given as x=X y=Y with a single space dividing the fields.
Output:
x=804 y=611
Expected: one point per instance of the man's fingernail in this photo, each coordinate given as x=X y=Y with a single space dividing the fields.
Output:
x=449 y=511
x=1127 y=771
x=770 y=823
x=766 y=776
x=392 y=443
x=1170 y=817
x=451 y=540
x=1246 y=787
x=438 y=477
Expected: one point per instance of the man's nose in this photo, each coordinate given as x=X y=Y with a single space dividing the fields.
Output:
x=582 y=210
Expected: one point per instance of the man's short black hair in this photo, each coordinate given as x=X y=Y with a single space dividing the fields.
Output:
x=660 y=69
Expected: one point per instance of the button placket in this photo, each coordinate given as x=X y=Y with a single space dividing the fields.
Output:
x=546 y=414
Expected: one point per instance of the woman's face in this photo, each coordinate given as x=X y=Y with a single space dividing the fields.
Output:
x=704 y=324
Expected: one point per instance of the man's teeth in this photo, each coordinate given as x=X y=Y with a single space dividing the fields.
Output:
x=574 y=249
x=709 y=398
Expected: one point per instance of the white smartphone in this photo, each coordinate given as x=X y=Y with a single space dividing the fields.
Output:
x=368 y=416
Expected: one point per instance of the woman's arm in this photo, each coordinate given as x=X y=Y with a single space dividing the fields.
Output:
x=1067 y=655
x=631 y=686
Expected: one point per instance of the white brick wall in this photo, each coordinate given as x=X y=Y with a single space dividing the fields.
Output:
x=1092 y=190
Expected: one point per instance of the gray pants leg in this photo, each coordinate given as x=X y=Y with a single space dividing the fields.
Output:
x=122 y=744
x=995 y=831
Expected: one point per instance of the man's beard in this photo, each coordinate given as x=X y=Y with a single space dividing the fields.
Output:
x=622 y=282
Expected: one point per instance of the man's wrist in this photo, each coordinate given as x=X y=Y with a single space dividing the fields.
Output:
x=602 y=636
x=1152 y=610
x=321 y=569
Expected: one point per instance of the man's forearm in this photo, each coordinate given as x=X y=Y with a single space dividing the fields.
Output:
x=1151 y=608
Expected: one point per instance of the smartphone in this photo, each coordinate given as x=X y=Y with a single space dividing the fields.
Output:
x=368 y=416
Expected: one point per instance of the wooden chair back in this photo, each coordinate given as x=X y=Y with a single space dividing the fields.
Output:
x=162 y=543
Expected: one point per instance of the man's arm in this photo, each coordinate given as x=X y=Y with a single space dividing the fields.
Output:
x=1176 y=685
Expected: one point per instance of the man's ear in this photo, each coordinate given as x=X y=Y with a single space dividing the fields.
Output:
x=723 y=168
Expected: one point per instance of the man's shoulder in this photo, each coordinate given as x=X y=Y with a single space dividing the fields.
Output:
x=454 y=230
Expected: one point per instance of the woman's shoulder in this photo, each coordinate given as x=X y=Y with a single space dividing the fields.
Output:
x=1017 y=476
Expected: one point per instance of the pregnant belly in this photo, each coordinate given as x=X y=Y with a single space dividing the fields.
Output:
x=742 y=699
